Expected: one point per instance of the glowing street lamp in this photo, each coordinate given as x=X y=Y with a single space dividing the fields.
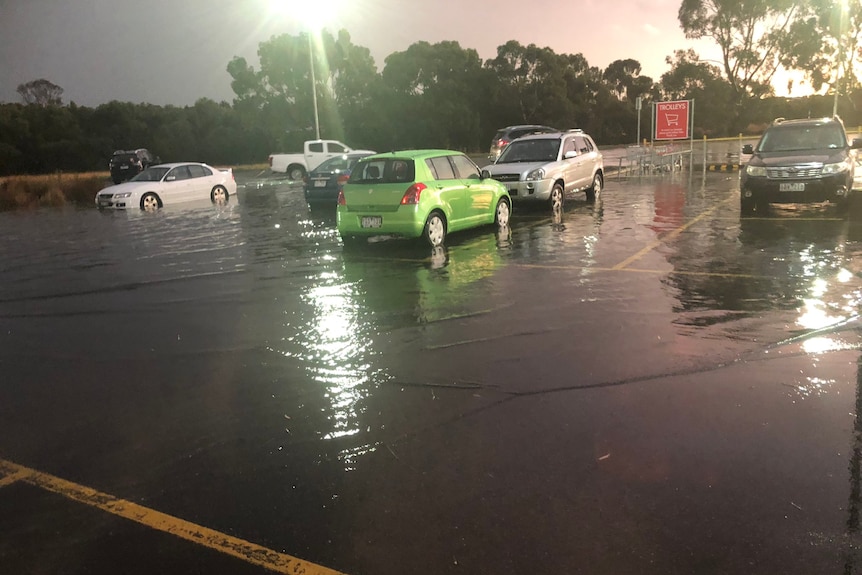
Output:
x=311 y=15
x=314 y=87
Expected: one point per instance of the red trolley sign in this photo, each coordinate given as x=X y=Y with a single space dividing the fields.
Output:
x=672 y=120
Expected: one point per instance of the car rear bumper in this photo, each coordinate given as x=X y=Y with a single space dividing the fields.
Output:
x=402 y=222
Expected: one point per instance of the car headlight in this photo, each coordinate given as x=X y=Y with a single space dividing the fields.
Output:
x=123 y=195
x=536 y=174
x=836 y=168
x=755 y=170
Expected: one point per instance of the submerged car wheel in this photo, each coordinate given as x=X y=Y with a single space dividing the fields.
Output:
x=501 y=215
x=150 y=202
x=219 y=195
x=746 y=206
x=295 y=173
x=596 y=188
x=557 y=196
x=435 y=229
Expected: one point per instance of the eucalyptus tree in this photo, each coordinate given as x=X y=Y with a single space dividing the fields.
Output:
x=691 y=78
x=281 y=92
x=435 y=94
x=752 y=36
x=826 y=44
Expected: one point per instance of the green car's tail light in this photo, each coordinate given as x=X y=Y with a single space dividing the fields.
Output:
x=411 y=196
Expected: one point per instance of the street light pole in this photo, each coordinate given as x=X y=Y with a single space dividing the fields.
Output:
x=842 y=72
x=313 y=86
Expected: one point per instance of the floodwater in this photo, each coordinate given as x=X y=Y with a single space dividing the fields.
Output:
x=647 y=384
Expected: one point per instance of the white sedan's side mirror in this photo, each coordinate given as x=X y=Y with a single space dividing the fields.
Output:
x=570 y=154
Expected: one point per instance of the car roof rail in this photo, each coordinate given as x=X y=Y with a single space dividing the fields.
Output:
x=575 y=130
x=778 y=120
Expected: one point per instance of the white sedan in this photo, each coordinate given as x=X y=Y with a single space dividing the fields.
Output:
x=169 y=184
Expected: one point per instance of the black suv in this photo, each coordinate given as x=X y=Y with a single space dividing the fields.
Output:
x=125 y=164
x=799 y=161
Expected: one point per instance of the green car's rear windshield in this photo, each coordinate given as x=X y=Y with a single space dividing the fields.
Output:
x=792 y=138
x=383 y=171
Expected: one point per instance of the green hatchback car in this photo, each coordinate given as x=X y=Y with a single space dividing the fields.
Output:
x=419 y=193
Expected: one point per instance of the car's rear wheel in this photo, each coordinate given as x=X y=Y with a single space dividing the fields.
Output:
x=596 y=188
x=150 y=202
x=435 y=229
x=557 y=196
x=295 y=172
x=219 y=195
x=501 y=215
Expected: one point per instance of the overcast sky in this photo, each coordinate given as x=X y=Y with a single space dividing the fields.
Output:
x=176 y=51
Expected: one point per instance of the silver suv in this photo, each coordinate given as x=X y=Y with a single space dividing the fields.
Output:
x=549 y=167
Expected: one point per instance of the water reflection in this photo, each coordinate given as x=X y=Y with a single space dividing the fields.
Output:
x=350 y=302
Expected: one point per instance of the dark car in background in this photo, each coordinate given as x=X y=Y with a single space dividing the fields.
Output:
x=505 y=135
x=322 y=184
x=126 y=164
x=799 y=161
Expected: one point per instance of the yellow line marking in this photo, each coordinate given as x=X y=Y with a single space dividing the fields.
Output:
x=669 y=236
x=13 y=477
x=233 y=546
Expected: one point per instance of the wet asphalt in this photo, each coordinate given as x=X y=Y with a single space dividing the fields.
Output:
x=647 y=384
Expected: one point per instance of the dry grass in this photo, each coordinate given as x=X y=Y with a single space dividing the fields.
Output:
x=17 y=192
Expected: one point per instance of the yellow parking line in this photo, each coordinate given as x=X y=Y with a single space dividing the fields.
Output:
x=669 y=236
x=13 y=477
x=239 y=548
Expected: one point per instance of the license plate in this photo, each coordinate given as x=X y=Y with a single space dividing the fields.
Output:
x=124 y=167
x=791 y=187
x=371 y=221
x=319 y=183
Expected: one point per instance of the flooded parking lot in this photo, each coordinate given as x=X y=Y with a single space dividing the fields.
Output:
x=647 y=384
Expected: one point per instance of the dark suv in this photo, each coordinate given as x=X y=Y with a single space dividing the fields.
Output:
x=125 y=164
x=798 y=161
x=503 y=136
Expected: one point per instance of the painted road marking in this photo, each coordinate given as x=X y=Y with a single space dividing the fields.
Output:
x=233 y=546
x=669 y=236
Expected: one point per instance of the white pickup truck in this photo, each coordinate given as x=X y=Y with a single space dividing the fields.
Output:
x=296 y=166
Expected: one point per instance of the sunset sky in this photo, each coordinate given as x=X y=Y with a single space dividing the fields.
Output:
x=168 y=52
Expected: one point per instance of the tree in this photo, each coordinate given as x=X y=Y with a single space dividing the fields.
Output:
x=752 y=36
x=620 y=75
x=41 y=92
x=826 y=42
x=689 y=78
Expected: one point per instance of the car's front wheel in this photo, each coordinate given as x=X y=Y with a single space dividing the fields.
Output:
x=219 y=195
x=746 y=206
x=558 y=196
x=501 y=215
x=150 y=202
x=596 y=188
x=435 y=229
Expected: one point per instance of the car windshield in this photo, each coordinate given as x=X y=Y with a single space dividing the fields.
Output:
x=383 y=171
x=792 y=138
x=538 y=150
x=154 y=174
x=335 y=164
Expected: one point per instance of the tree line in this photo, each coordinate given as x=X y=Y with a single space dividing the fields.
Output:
x=444 y=95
